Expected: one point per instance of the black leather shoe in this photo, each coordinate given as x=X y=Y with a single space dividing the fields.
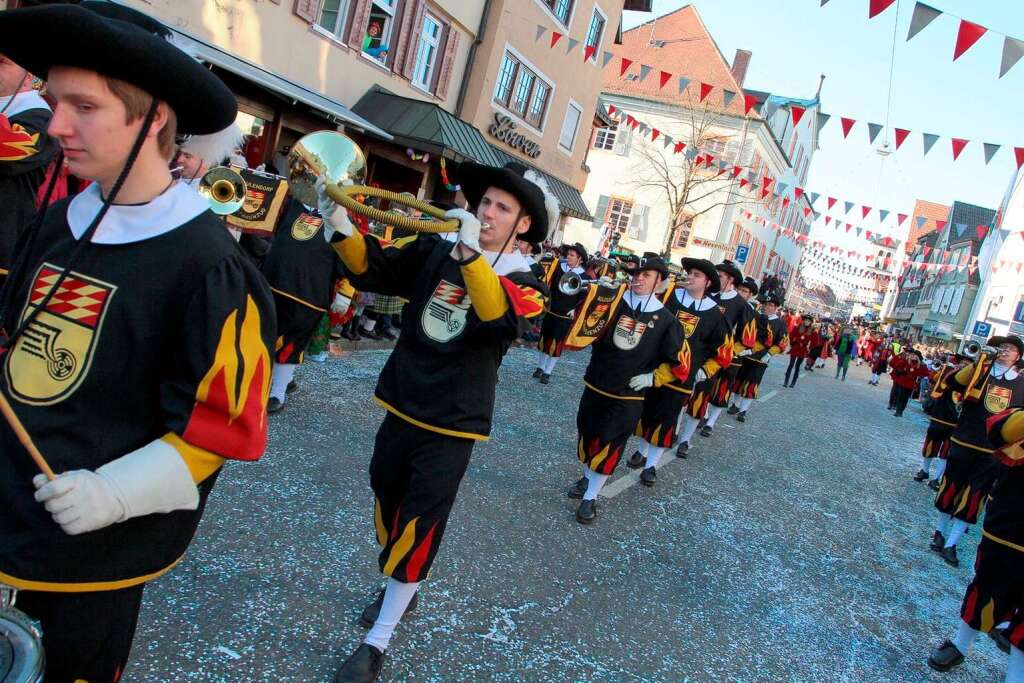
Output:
x=586 y=513
x=949 y=556
x=945 y=657
x=545 y=378
x=362 y=666
x=741 y=416
x=733 y=410
x=351 y=335
x=938 y=542
x=682 y=449
x=370 y=613
x=636 y=461
x=921 y=475
x=934 y=484
x=998 y=636
x=649 y=476
x=274 y=406
x=370 y=334
x=389 y=334
x=537 y=373
x=292 y=386
x=706 y=430
x=578 y=489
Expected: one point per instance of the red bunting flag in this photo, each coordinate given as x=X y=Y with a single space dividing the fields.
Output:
x=679 y=147
x=831 y=202
x=887 y=241
x=611 y=109
x=798 y=192
x=708 y=159
x=1018 y=153
x=654 y=134
x=927 y=250
x=785 y=203
x=744 y=182
x=767 y=182
x=939 y=225
x=807 y=211
x=555 y=37
x=982 y=230
x=626 y=63
x=798 y=113
x=665 y=76
x=848 y=226
x=736 y=170
x=868 y=233
x=698 y=160
x=864 y=211
x=764 y=193
x=828 y=219
x=967 y=36
x=749 y=102
x=958 y=146
x=901 y=135
x=847 y=125
x=589 y=52
x=900 y=217
x=705 y=90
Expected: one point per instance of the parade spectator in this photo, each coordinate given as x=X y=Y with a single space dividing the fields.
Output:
x=845 y=345
x=907 y=369
x=799 y=340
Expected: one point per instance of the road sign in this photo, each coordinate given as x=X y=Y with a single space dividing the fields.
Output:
x=982 y=329
x=741 y=253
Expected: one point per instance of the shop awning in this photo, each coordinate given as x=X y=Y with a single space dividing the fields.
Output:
x=429 y=128
x=282 y=86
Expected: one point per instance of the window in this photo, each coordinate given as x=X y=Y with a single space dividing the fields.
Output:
x=716 y=147
x=570 y=126
x=376 y=41
x=426 y=53
x=954 y=305
x=595 y=32
x=605 y=138
x=619 y=211
x=682 y=236
x=539 y=106
x=1018 y=315
x=506 y=74
x=333 y=15
x=562 y=9
x=520 y=90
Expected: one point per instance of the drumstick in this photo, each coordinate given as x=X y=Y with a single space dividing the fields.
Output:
x=25 y=438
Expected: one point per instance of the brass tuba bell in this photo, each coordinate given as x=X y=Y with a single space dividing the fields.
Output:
x=224 y=189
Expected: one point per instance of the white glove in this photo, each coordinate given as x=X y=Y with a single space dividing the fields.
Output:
x=745 y=352
x=335 y=217
x=606 y=281
x=700 y=376
x=151 y=479
x=469 y=229
x=340 y=303
x=641 y=382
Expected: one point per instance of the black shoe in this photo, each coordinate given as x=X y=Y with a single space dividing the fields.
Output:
x=705 y=430
x=370 y=613
x=921 y=475
x=898 y=413
x=537 y=373
x=578 y=489
x=938 y=542
x=586 y=513
x=362 y=666
x=292 y=386
x=545 y=378
x=741 y=416
x=274 y=406
x=682 y=449
x=370 y=334
x=934 y=484
x=389 y=334
x=351 y=335
x=636 y=461
x=949 y=556
x=945 y=657
x=649 y=476
x=733 y=409
x=998 y=636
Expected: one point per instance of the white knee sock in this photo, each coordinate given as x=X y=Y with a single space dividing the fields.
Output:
x=542 y=359
x=745 y=404
x=279 y=379
x=644 y=448
x=397 y=596
x=874 y=377
x=964 y=638
x=1015 y=668
x=689 y=426
x=653 y=456
x=943 y=522
x=713 y=413
x=959 y=527
x=926 y=464
x=595 y=482
x=940 y=468
x=368 y=324
x=549 y=364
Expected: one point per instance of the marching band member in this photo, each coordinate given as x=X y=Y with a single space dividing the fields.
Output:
x=988 y=386
x=943 y=413
x=467 y=302
x=706 y=334
x=772 y=340
x=640 y=347
x=558 y=316
x=743 y=327
x=162 y=366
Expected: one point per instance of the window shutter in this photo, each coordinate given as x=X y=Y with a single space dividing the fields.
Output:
x=642 y=224
x=451 y=45
x=637 y=228
x=602 y=211
x=623 y=140
x=308 y=10
x=360 y=18
x=408 y=37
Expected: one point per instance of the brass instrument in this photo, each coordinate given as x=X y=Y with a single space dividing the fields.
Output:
x=973 y=349
x=224 y=189
x=572 y=283
x=336 y=159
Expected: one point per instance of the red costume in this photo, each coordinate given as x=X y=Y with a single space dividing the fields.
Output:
x=799 y=342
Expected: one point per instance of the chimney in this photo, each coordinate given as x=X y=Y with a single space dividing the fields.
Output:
x=740 y=64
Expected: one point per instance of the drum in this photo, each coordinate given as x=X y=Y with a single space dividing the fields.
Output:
x=21 y=648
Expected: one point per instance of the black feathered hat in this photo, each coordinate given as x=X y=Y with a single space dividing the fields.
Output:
x=579 y=249
x=729 y=268
x=706 y=267
x=652 y=263
x=771 y=299
x=525 y=184
x=119 y=48
x=995 y=342
x=749 y=283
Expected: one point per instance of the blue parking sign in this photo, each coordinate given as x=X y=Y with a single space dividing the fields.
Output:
x=741 y=253
x=982 y=329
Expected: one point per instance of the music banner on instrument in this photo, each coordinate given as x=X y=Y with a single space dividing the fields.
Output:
x=593 y=315
x=264 y=199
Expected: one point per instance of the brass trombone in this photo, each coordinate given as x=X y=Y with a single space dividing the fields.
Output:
x=224 y=189
x=572 y=283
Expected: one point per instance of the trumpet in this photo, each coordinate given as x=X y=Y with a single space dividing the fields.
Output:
x=224 y=189
x=571 y=283
x=973 y=349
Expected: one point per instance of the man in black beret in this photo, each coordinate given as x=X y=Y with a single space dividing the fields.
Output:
x=138 y=339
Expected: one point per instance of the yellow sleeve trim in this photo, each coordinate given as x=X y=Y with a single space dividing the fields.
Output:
x=663 y=375
x=201 y=463
x=759 y=347
x=485 y=290
x=352 y=251
x=1013 y=428
x=964 y=375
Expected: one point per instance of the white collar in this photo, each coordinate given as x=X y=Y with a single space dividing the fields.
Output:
x=129 y=223
x=513 y=262
x=688 y=301
x=1008 y=374
x=648 y=303
x=773 y=317
x=725 y=296
x=565 y=268
x=23 y=101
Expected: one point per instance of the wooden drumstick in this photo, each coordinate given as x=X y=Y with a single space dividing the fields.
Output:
x=25 y=438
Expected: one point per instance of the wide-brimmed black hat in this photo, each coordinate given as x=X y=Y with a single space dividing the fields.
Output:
x=526 y=185
x=995 y=342
x=706 y=267
x=807 y=316
x=38 y=38
x=771 y=299
x=652 y=263
x=112 y=10
x=914 y=352
x=749 y=283
x=729 y=268
x=579 y=249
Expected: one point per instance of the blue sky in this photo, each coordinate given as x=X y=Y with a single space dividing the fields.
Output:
x=793 y=41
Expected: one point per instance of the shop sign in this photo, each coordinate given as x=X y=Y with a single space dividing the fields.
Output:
x=711 y=244
x=504 y=129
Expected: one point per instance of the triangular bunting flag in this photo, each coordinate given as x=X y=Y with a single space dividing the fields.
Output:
x=683 y=82
x=767 y=182
x=847 y=125
x=939 y=225
x=781 y=187
x=859 y=231
x=982 y=230
x=901 y=135
x=900 y=217
x=831 y=202
x=705 y=90
x=990 y=151
x=611 y=109
x=736 y=170
x=960 y=229
x=923 y=15
x=876 y=7
x=1013 y=49
x=797 y=113
x=605 y=58
x=929 y=141
x=645 y=69
x=867 y=234
x=697 y=161
x=541 y=30
x=807 y=211
x=626 y=63
x=764 y=193
x=823 y=119
x=814 y=197
x=572 y=44
x=873 y=130
x=828 y=219
x=864 y=211
x=883 y=214
x=1018 y=154
x=654 y=134
x=749 y=102
x=785 y=203
x=555 y=37
x=727 y=98
x=849 y=205
x=663 y=79
x=589 y=52
x=798 y=192
x=927 y=250
x=967 y=35
x=744 y=182
x=679 y=147
x=958 y=146
x=666 y=140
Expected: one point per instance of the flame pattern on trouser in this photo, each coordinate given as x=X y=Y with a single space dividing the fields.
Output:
x=966 y=483
x=721 y=390
x=604 y=425
x=657 y=425
x=996 y=594
x=296 y=325
x=553 y=332
x=697 y=406
x=748 y=379
x=936 y=441
x=415 y=475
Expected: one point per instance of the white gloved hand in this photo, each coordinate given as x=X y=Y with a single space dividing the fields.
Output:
x=469 y=229
x=340 y=304
x=606 y=281
x=641 y=382
x=700 y=376
x=745 y=352
x=335 y=217
x=79 y=501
